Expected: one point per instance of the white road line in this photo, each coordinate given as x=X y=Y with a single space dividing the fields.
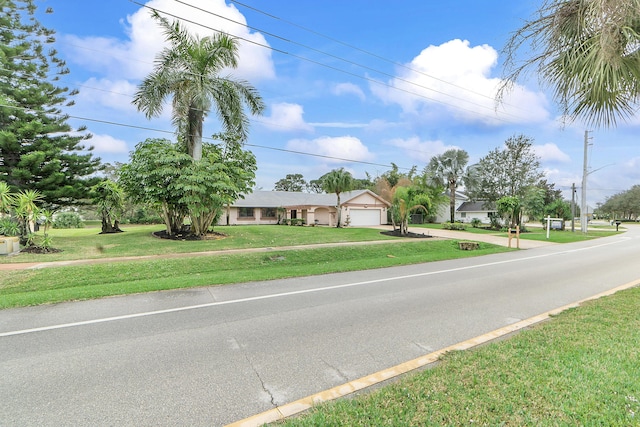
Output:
x=280 y=295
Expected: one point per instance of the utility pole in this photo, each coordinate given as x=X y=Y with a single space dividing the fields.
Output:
x=583 y=202
x=573 y=207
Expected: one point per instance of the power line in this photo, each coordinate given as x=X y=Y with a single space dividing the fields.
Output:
x=372 y=54
x=255 y=119
x=112 y=123
x=348 y=61
x=457 y=107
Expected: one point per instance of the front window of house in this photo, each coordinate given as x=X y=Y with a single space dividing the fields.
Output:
x=245 y=212
x=268 y=213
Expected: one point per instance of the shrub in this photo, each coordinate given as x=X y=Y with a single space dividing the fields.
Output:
x=68 y=220
x=143 y=216
x=454 y=226
x=476 y=223
x=9 y=227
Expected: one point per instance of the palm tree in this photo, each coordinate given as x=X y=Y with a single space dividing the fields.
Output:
x=448 y=170
x=188 y=71
x=589 y=54
x=27 y=212
x=108 y=197
x=338 y=181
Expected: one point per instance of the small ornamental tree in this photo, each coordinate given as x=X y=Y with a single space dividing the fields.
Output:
x=108 y=197
x=407 y=200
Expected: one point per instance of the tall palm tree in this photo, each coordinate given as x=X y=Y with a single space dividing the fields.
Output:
x=189 y=71
x=448 y=170
x=338 y=181
x=588 y=51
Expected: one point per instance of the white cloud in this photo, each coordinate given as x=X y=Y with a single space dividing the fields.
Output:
x=551 y=153
x=348 y=89
x=132 y=57
x=337 y=149
x=419 y=150
x=455 y=78
x=114 y=94
x=108 y=144
x=286 y=117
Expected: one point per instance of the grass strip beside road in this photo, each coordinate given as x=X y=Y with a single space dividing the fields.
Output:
x=32 y=287
x=137 y=240
x=539 y=233
x=579 y=368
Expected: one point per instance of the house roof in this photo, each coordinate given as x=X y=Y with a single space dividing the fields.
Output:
x=479 y=206
x=276 y=199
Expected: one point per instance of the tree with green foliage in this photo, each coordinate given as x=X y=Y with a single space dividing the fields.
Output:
x=150 y=177
x=450 y=170
x=6 y=199
x=189 y=72
x=510 y=171
x=623 y=205
x=292 y=182
x=25 y=207
x=588 y=52
x=338 y=181
x=394 y=175
x=108 y=197
x=38 y=152
x=161 y=174
x=558 y=209
x=405 y=201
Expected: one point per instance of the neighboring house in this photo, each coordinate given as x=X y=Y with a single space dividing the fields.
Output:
x=466 y=210
x=470 y=210
x=359 y=208
x=443 y=214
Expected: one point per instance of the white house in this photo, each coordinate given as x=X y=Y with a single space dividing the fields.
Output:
x=467 y=211
x=443 y=214
x=359 y=208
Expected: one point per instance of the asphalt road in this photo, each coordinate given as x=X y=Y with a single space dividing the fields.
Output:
x=211 y=356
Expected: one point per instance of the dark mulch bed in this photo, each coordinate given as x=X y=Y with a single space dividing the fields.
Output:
x=396 y=233
x=39 y=250
x=188 y=236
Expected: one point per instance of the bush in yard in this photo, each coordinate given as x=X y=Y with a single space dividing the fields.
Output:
x=454 y=226
x=476 y=223
x=9 y=227
x=68 y=220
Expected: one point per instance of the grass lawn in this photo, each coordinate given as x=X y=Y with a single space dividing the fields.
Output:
x=84 y=243
x=31 y=287
x=539 y=233
x=580 y=368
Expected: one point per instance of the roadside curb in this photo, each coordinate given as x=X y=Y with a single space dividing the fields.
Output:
x=280 y=413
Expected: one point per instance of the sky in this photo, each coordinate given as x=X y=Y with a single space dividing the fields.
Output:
x=357 y=84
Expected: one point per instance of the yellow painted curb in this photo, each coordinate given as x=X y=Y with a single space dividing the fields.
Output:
x=287 y=410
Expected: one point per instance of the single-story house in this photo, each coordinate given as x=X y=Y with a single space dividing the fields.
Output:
x=442 y=214
x=465 y=210
x=359 y=208
x=470 y=210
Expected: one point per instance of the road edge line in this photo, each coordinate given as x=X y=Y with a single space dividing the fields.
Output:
x=280 y=413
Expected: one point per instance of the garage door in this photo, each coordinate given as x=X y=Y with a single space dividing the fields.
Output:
x=362 y=217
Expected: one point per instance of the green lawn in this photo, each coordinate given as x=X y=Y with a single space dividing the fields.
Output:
x=538 y=233
x=137 y=240
x=581 y=368
x=31 y=287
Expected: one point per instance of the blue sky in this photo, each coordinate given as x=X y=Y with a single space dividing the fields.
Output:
x=357 y=84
